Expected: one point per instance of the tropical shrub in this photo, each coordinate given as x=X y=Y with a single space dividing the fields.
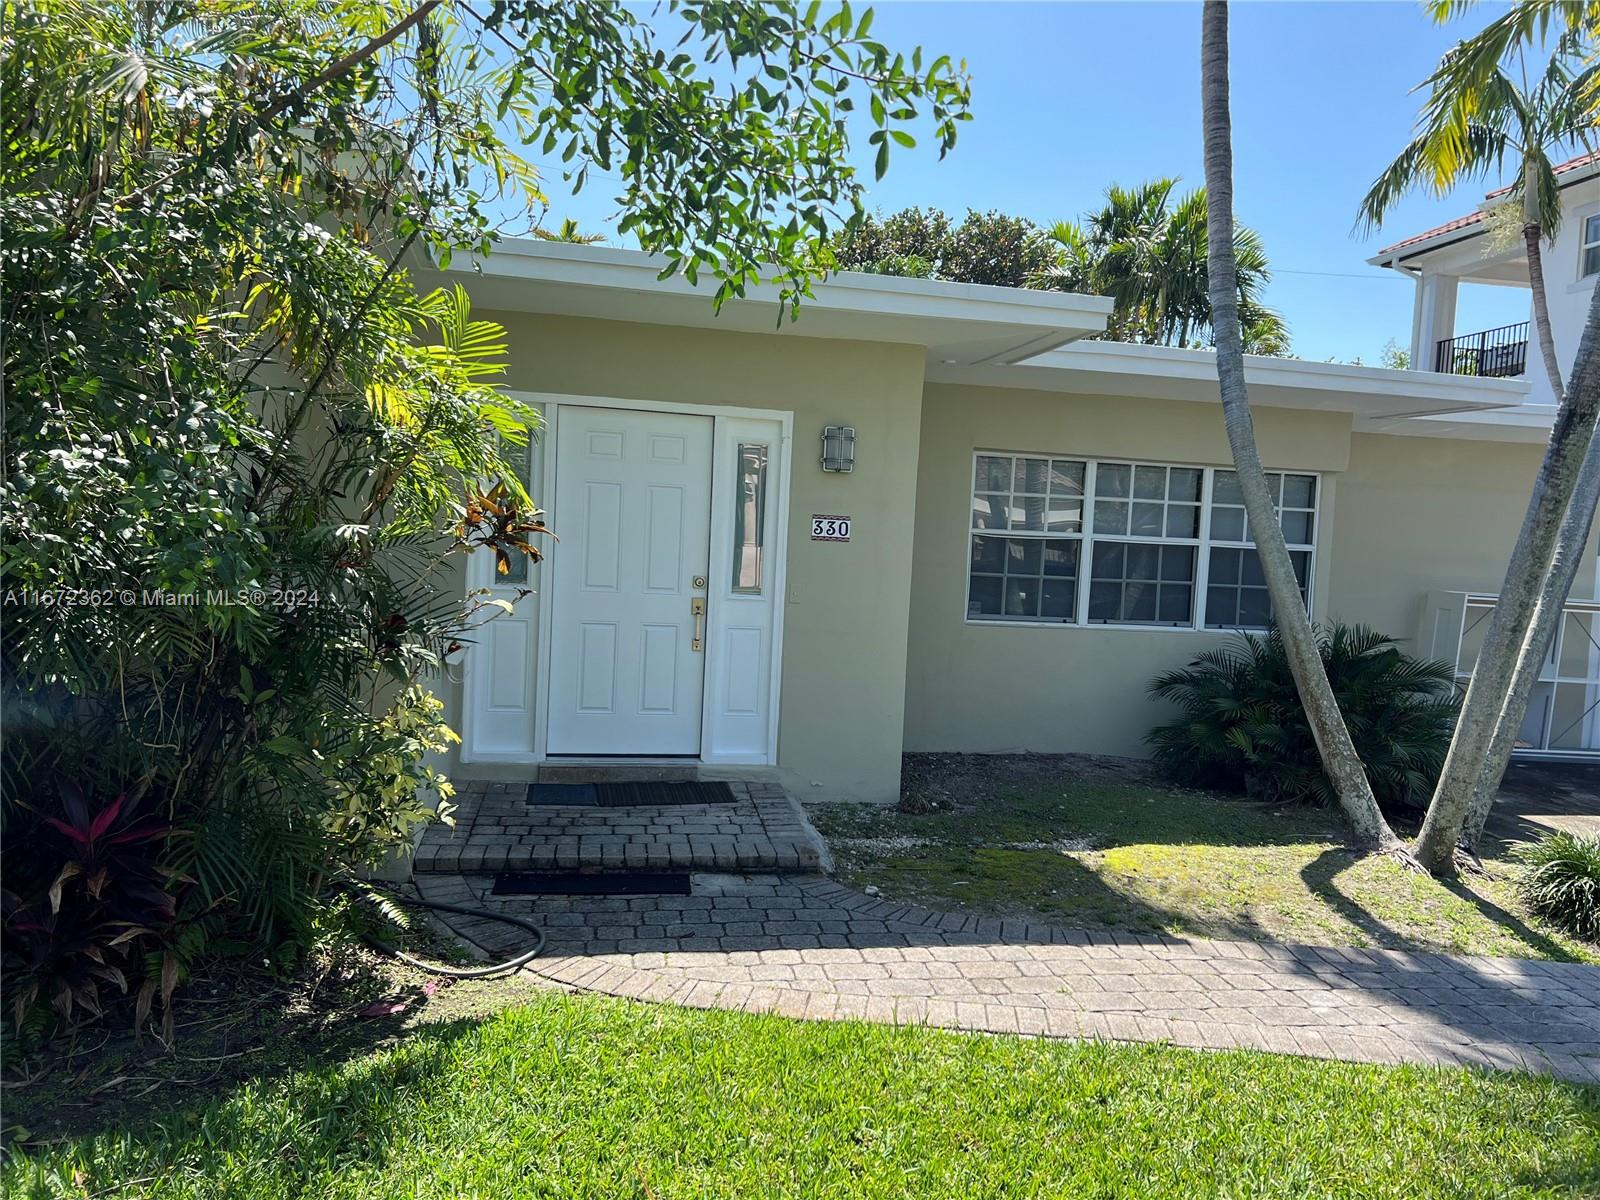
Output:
x=990 y=247
x=1561 y=881
x=1241 y=726
x=98 y=901
x=243 y=437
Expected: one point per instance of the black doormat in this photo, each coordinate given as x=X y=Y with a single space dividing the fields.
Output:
x=579 y=794
x=623 y=795
x=592 y=883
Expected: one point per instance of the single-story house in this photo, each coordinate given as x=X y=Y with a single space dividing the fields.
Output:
x=932 y=516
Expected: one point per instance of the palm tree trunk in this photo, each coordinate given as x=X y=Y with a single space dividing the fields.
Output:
x=1571 y=541
x=1339 y=758
x=1532 y=236
x=1530 y=565
x=1572 y=551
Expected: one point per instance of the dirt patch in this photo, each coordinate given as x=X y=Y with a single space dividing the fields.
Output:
x=1071 y=845
x=929 y=782
x=868 y=847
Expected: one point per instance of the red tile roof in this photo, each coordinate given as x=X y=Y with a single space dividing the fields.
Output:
x=1448 y=227
x=1572 y=164
x=1476 y=218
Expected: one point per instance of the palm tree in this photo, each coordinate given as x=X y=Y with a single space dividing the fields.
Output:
x=1475 y=63
x=567 y=231
x=1148 y=253
x=1477 y=116
x=1339 y=758
x=1469 y=132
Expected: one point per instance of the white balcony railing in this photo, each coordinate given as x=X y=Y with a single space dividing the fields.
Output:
x=1563 y=720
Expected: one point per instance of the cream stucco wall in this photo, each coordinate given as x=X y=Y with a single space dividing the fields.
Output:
x=844 y=638
x=1399 y=516
x=1413 y=514
x=876 y=652
x=988 y=687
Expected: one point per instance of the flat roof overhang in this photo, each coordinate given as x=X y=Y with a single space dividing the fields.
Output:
x=1523 y=423
x=958 y=323
x=1169 y=373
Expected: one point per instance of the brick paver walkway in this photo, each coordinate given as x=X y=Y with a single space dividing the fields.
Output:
x=496 y=829
x=807 y=947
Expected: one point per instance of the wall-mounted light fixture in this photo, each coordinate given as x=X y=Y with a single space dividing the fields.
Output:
x=838 y=448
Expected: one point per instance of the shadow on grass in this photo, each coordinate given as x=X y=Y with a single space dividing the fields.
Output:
x=993 y=792
x=248 y=1028
x=345 y=1116
x=1503 y=916
x=1321 y=875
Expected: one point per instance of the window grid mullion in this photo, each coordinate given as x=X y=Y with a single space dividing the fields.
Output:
x=1086 y=545
x=1147 y=540
x=1311 y=550
x=1202 y=570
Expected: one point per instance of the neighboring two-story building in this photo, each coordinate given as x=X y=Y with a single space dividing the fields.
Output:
x=1476 y=249
x=937 y=516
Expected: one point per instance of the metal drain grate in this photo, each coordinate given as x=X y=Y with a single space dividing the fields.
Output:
x=592 y=883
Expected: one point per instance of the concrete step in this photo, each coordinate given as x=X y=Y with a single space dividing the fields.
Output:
x=496 y=829
x=730 y=855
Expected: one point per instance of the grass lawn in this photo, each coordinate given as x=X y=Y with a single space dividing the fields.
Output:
x=1089 y=850
x=584 y=1096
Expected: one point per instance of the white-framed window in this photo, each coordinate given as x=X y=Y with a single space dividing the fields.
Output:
x=1078 y=541
x=1589 y=247
x=1236 y=590
x=1027 y=533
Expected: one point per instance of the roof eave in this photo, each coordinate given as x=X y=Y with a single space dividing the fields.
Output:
x=956 y=321
x=1165 y=372
x=1527 y=424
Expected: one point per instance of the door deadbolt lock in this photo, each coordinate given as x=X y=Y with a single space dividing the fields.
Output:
x=699 y=581
x=697 y=609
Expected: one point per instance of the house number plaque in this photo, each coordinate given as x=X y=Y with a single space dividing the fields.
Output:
x=829 y=527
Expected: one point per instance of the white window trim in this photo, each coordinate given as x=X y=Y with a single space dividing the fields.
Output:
x=1584 y=247
x=1085 y=538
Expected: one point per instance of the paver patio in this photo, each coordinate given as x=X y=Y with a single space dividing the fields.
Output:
x=803 y=946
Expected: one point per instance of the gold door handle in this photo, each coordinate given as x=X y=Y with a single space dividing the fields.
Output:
x=697 y=606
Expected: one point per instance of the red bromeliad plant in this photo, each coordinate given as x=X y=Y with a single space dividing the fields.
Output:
x=88 y=907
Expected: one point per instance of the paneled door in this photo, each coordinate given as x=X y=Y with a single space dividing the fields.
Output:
x=633 y=513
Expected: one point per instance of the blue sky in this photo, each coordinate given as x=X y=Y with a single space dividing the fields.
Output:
x=1070 y=97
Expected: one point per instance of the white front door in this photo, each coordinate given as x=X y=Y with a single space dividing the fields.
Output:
x=632 y=511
